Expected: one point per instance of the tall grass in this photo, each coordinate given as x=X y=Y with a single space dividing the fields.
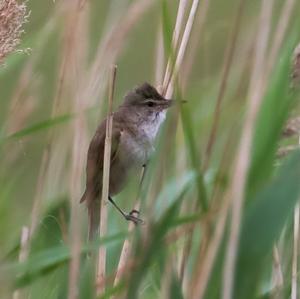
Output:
x=220 y=205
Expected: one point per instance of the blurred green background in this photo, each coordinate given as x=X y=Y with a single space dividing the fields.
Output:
x=31 y=131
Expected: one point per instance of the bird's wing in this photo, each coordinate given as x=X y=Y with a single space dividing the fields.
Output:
x=94 y=168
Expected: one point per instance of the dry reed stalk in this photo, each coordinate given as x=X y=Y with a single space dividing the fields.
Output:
x=124 y=260
x=15 y=121
x=224 y=79
x=279 y=34
x=23 y=253
x=277 y=275
x=204 y=266
x=207 y=252
x=186 y=70
x=45 y=162
x=126 y=248
x=76 y=29
x=223 y=84
x=58 y=150
x=189 y=62
x=159 y=59
x=110 y=47
x=175 y=39
x=18 y=116
x=21 y=106
x=174 y=63
x=180 y=13
x=182 y=48
x=294 y=287
x=36 y=208
x=169 y=87
x=24 y=100
x=237 y=185
x=101 y=269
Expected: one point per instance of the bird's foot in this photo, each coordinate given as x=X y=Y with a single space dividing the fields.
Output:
x=132 y=216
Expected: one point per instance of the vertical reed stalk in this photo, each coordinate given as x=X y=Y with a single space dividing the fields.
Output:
x=277 y=275
x=159 y=59
x=280 y=31
x=76 y=31
x=175 y=40
x=101 y=269
x=23 y=253
x=224 y=79
x=204 y=266
x=237 y=185
x=182 y=48
x=126 y=249
x=193 y=49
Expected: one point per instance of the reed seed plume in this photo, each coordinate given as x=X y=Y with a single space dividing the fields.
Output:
x=12 y=18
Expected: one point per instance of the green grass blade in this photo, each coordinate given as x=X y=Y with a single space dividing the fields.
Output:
x=46 y=124
x=275 y=109
x=155 y=243
x=194 y=155
x=263 y=223
x=48 y=260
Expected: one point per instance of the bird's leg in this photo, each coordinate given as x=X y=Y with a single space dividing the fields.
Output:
x=128 y=216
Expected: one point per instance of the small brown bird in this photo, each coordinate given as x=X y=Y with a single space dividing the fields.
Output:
x=135 y=126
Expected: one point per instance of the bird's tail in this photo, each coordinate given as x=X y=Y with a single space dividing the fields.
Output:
x=94 y=218
x=93 y=206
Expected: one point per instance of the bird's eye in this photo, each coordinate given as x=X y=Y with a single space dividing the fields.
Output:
x=150 y=104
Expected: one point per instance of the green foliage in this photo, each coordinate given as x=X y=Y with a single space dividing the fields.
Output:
x=263 y=223
x=278 y=101
x=41 y=126
x=182 y=197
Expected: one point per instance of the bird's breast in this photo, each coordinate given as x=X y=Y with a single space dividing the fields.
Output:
x=138 y=144
x=134 y=150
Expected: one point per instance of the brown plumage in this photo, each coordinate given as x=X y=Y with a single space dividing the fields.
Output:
x=135 y=125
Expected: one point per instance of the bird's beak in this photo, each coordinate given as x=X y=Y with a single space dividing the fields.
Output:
x=167 y=103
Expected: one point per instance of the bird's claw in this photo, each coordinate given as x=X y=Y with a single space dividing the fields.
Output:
x=131 y=217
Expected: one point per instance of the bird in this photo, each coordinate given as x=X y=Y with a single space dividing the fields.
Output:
x=136 y=123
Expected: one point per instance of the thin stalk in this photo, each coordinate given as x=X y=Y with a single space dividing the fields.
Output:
x=159 y=59
x=204 y=266
x=101 y=269
x=124 y=260
x=193 y=48
x=182 y=48
x=186 y=70
x=76 y=27
x=280 y=33
x=175 y=40
x=23 y=253
x=224 y=79
x=170 y=88
x=110 y=47
x=238 y=183
x=277 y=271
x=126 y=249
